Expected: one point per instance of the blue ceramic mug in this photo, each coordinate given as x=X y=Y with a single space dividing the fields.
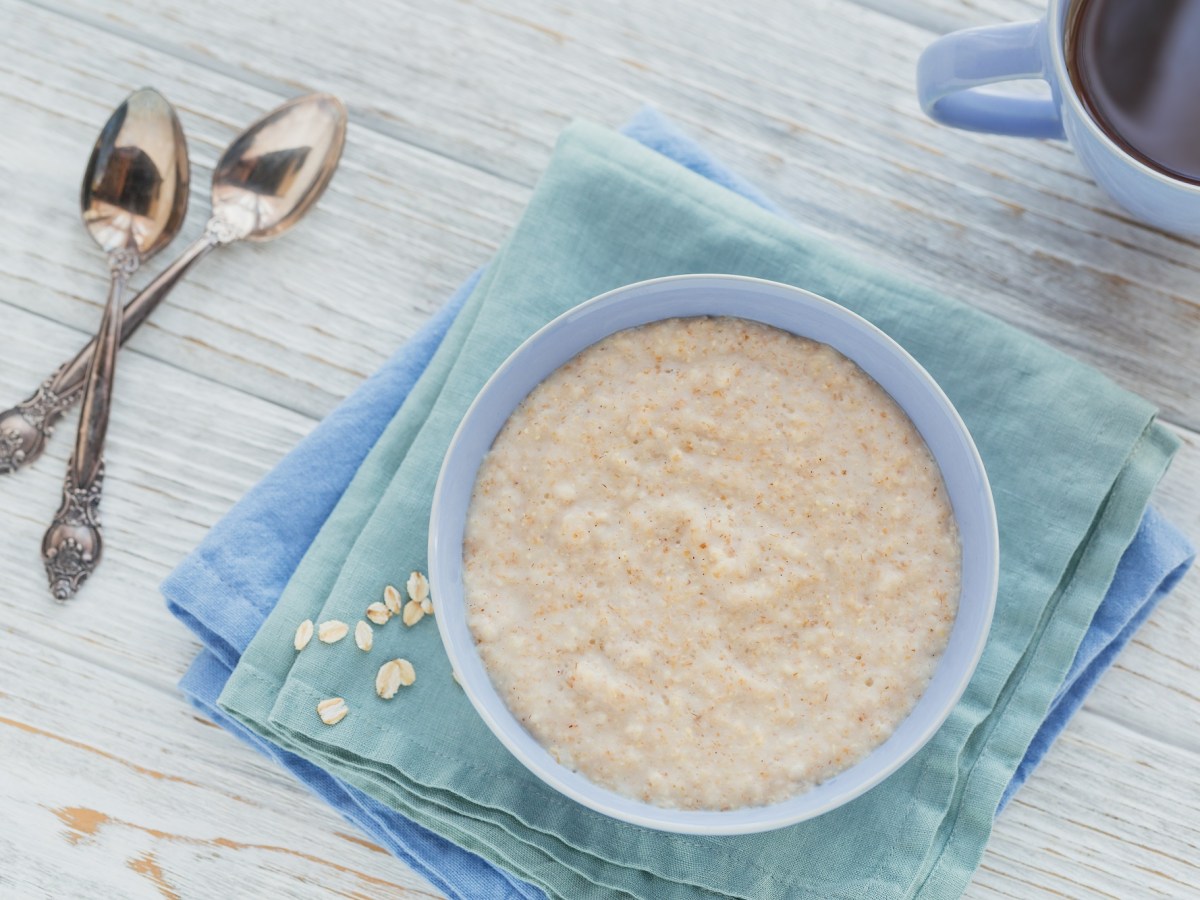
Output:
x=953 y=69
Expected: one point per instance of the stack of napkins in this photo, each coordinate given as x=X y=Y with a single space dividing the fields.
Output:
x=1072 y=459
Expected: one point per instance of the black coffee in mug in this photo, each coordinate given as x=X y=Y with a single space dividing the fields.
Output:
x=1136 y=64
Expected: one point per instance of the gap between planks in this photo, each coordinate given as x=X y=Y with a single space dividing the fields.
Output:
x=378 y=125
x=85 y=336
x=282 y=89
x=906 y=14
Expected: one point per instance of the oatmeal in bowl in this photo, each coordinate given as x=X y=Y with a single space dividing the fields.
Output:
x=713 y=554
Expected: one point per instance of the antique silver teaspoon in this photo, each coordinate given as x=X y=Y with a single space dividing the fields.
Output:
x=134 y=199
x=267 y=179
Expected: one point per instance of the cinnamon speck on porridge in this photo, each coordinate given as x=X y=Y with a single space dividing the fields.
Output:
x=709 y=564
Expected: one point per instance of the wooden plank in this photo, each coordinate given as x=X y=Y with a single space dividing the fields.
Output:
x=113 y=788
x=1109 y=813
x=951 y=15
x=160 y=496
x=1012 y=226
x=299 y=321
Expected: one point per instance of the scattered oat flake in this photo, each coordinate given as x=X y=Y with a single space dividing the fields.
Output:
x=332 y=710
x=418 y=586
x=363 y=636
x=407 y=673
x=332 y=631
x=427 y=606
x=304 y=633
x=378 y=613
x=412 y=613
x=391 y=597
x=387 y=680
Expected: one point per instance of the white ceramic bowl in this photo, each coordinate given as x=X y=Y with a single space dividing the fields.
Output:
x=801 y=313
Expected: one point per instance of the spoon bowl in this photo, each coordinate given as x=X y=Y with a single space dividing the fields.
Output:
x=135 y=188
x=273 y=173
x=134 y=198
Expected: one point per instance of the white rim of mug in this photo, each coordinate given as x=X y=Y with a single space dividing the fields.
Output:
x=1056 y=19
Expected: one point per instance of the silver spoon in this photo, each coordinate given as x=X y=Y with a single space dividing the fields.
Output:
x=134 y=199
x=267 y=179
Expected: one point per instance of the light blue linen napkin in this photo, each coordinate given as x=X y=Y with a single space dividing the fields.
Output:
x=1151 y=566
x=225 y=589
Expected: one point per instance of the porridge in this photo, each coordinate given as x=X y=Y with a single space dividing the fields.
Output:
x=709 y=564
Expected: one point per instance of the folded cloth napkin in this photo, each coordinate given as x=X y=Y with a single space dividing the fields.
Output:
x=225 y=589
x=227 y=586
x=1150 y=568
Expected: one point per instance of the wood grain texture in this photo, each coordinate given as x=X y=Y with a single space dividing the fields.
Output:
x=112 y=786
x=831 y=128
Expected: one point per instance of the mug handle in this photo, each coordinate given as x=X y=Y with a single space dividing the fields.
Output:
x=953 y=67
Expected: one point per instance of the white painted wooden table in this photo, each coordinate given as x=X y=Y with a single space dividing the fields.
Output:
x=109 y=784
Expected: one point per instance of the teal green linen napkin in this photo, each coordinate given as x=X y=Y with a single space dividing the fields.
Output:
x=1072 y=459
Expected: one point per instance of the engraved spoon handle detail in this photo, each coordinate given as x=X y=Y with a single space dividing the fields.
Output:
x=25 y=428
x=72 y=545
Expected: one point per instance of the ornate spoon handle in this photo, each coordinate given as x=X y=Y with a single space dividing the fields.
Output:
x=72 y=545
x=25 y=428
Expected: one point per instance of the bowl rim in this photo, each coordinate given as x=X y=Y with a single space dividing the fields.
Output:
x=501 y=721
